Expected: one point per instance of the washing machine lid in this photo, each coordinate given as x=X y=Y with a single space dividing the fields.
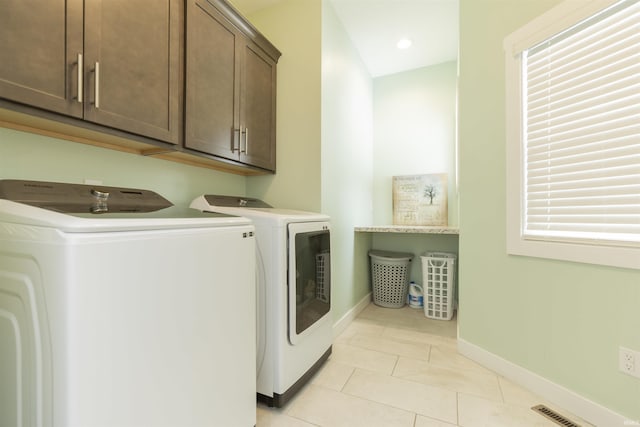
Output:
x=80 y=207
x=254 y=209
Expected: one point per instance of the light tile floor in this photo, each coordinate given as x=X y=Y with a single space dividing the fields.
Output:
x=395 y=367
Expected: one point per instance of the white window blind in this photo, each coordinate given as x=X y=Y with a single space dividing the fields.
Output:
x=581 y=131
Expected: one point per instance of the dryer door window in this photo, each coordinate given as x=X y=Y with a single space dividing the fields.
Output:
x=309 y=278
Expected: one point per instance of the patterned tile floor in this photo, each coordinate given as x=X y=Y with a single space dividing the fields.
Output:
x=395 y=367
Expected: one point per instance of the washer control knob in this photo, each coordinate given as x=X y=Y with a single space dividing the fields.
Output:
x=100 y=195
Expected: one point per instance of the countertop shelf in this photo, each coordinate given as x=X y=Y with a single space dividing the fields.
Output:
x=411 y=229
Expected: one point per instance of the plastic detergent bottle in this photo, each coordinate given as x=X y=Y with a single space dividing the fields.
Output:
x=415 y=297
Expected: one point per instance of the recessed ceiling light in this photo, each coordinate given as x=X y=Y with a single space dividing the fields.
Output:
x=404 y=44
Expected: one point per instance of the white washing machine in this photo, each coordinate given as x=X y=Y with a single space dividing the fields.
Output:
x=117 y=309
x=295 y=329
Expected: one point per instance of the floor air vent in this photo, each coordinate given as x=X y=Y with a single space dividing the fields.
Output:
x=554 y=416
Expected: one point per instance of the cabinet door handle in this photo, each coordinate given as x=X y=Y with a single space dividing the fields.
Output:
x=80 y=68
x=233 y=143
x=96 y=99
x=246 y=141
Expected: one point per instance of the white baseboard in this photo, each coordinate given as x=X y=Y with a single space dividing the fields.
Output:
x=591 y=412
x=341 y=325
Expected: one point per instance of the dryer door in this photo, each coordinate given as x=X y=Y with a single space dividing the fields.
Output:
x=309 y=279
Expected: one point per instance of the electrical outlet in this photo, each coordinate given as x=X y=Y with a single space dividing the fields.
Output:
x=629 y=362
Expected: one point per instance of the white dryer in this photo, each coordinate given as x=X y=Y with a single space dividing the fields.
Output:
x=119 y=309
x=294 y=293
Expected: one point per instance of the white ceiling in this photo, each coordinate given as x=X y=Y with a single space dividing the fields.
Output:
x=375 y=26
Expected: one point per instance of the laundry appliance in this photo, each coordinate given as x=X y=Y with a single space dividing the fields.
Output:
x=119 y=309
x=295 y=329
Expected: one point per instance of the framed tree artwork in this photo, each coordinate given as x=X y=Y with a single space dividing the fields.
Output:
x=420 y=200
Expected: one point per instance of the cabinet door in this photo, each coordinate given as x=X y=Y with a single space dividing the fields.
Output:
x=41 y=42
x=212 y=82
x=258 y=109
x=132 y=66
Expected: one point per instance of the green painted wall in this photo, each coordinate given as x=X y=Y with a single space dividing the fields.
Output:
x=347 y=157
x=563 y=321
x=29 y=156
x=414 y=132
x=294 y=27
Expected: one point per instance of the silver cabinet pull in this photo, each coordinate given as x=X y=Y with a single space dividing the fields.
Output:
x=246 y=141
x=233 y=143
x=80 y=69
x=96 y=100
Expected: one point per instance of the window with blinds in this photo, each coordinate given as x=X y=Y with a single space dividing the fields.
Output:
x=573 y=129
x=582 y=130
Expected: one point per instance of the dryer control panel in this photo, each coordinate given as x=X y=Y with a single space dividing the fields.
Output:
x=81 y=198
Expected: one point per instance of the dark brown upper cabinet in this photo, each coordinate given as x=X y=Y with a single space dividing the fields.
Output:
x=41 y=44
x=230 y=99
x=114 y=63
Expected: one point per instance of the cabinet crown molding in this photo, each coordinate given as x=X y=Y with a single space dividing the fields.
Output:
x=236 y=18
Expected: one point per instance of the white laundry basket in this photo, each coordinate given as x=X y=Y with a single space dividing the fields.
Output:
x=389 y=277
x=438 y=272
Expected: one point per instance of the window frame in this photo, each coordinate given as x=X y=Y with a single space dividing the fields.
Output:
x=557 y=19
